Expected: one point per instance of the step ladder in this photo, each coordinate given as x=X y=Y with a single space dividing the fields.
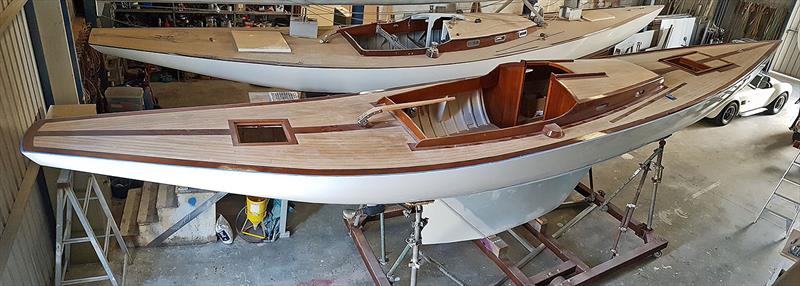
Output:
x=775 y=193
x=68 y=204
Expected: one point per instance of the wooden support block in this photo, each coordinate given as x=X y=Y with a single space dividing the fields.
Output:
x=70 y=110
x=128 y=225
x=495 y=245
x=147 y=205
x=166 y=197
x=539 y=224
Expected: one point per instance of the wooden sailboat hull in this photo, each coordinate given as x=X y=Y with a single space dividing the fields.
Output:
x=382 y=74
x=393 y=188
x=332 y=160
x=483 y=214
x=595 y=110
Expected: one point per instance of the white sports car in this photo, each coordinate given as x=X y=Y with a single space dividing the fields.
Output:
x=762 y=94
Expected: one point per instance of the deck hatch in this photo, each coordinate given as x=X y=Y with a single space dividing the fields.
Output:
x=261 y=132
x=697 y=63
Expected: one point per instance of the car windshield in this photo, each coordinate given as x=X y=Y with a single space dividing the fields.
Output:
x=761 y=81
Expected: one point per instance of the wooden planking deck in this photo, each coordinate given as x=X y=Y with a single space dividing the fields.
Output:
x=218 y=43
x=487 y=24
x=384 y=149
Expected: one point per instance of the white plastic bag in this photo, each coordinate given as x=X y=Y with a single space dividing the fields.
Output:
x=224 y=232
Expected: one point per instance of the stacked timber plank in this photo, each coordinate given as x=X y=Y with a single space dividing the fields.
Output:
x=153 y=208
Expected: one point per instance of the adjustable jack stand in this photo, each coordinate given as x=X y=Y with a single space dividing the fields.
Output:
x=645 y=167
x=418 y=258
x=414 y=241
x=573 y=271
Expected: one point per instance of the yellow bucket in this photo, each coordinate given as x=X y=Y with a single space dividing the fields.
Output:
x=256 y=209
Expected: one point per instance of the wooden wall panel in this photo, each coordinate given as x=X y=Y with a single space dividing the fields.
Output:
x=28 y=245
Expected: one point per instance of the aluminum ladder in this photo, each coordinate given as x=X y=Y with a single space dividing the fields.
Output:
x=68 y=204
x=775 y=193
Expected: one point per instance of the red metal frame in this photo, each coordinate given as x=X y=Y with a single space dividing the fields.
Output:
x=572 y=271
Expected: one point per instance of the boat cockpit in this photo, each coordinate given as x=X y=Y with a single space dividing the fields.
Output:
x=515 y=99
x=422 y=33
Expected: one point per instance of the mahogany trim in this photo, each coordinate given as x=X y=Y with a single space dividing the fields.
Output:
x=409 y=125
x=405 y=120
x=569 y=119
x=580 y=75
x=136 y=132
x=287 y=64
x=671 y=67
x=687 y=64
x=406 y=25
x=283 y=123
x=548 y=61
x=28 y=140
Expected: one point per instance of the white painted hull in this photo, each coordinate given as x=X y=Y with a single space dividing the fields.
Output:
x=480 y=215
x=351 y=80
x=483 y=214
x=539 y=181
x=393 y=188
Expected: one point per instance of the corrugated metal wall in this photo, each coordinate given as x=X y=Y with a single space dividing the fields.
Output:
x=30 y=260
x=787 y=59
x=32 y=254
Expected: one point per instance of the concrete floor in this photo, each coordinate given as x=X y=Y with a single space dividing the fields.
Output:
x=715 y=181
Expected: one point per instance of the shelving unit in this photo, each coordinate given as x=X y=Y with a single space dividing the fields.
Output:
x=198 y=15
x=179 y=11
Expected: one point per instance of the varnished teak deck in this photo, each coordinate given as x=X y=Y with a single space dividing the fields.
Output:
x=217 y=43
x=329 y=142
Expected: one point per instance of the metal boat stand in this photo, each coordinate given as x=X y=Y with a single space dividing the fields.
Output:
x=573 y=271
x=373 y=263
x=69 y=203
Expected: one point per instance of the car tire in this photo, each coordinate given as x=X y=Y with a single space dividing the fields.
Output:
x=777 y=104
x=727 y=114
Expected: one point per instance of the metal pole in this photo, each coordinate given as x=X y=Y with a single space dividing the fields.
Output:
x=775 y=189
x=101 y=199
x=68 y=210
x=659 y=169
x=529 y=257
x=92 y=237
x=441 y=269
x=535 y=252
x=382 y=259
x=508 y=2
x=284 y=218
x=629 y=209
x=414 y=241
x=59 y=236
x=397 y=263
x=186 y=219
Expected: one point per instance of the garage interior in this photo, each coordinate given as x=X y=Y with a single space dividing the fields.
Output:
x=718 y=173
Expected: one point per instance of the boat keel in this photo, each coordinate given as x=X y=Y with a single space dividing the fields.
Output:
x=483 y=214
